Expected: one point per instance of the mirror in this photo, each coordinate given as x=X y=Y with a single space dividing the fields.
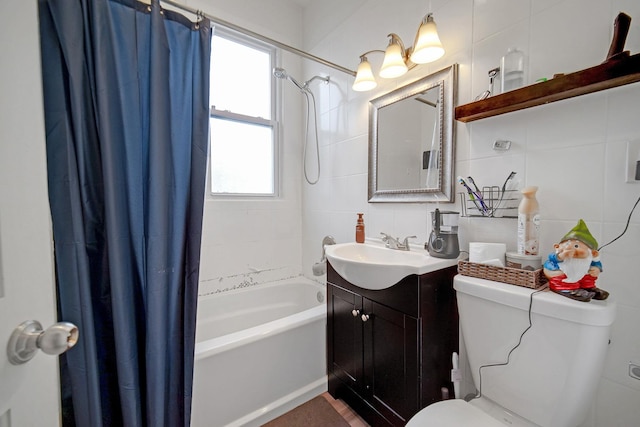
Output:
x=411 y=141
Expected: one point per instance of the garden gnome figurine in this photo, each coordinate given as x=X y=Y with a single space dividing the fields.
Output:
x=574 y=267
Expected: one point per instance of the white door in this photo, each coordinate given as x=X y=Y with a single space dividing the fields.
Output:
x=29 y=393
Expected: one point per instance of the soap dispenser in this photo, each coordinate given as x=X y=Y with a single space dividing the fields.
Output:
x=360 y=229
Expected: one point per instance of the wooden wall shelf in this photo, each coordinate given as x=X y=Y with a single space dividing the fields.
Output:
x=621 y=70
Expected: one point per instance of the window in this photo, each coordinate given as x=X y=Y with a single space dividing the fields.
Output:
x=242 y=122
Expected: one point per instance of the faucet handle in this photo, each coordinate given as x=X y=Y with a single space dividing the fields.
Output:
x=389 y=241
x=405 y=242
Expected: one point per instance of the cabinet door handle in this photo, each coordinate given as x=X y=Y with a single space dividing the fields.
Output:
x=365 y=317
x=355 y=312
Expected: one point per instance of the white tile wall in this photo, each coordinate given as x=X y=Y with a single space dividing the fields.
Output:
x=573 y=150
x=251 y=242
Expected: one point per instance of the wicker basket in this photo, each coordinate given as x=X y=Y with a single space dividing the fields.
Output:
x=513 y=276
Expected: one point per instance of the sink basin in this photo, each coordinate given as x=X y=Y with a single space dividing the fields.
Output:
x=375 y=267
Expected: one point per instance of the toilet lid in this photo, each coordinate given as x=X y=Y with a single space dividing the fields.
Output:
x=452 y=413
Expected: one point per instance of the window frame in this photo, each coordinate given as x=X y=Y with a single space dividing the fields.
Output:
x=273 y=123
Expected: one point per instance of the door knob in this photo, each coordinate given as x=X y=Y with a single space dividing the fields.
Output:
x=355 y=312
x=365 y=317
x=28 y=337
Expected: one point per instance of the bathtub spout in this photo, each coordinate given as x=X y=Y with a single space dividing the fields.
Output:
x=320 y=268
x=328 y=240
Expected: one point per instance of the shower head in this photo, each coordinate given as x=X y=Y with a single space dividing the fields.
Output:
x=280 y=73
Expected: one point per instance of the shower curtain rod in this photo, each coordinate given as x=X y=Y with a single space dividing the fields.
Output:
x=260 y=37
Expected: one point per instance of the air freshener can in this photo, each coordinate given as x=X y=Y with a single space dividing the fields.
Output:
x=528 y=223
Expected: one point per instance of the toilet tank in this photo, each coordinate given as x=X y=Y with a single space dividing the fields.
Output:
x=552 y=377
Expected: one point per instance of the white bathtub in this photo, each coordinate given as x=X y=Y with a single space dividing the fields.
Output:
x=260 y=351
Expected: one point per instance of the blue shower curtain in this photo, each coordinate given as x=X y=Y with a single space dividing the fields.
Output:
x=126 y=89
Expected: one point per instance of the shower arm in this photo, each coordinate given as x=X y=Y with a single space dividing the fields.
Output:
x=324 y=79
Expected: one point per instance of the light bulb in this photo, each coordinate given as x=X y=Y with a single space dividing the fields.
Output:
x=427 y=47
x=364 y=77
x=393 y=64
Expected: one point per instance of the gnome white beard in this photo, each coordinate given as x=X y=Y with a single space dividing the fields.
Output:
x=575 y=268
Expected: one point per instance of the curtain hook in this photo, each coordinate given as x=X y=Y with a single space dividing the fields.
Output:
x=199 y=18
x=157 y=3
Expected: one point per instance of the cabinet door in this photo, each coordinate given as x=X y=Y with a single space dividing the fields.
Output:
x=391 y=362
x=344 y=335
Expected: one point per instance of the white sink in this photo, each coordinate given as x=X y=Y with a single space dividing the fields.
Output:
x=375 y=267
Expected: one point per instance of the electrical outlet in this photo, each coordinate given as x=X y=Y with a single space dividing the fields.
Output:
x=634 y=371
x=633 y=162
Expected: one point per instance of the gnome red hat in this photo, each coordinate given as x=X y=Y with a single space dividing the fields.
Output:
x=581 y=232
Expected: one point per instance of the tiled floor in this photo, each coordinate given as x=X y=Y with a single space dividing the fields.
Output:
x=345 y=411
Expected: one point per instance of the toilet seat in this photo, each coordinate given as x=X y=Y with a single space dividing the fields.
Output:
x=452 y=413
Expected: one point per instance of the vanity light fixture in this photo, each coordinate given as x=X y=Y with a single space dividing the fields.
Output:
x=427 y=46
x=395 y=58
x=398 y=60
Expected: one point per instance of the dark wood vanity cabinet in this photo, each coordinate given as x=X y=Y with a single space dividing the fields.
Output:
x=389 y=351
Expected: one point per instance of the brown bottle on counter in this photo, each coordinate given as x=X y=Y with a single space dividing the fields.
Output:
x=360 y=229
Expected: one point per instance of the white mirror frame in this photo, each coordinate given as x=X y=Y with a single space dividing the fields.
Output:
x=447 y=81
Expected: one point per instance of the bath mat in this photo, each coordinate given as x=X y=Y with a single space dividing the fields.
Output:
x=315 y=413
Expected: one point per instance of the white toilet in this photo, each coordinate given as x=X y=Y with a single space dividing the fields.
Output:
x=551 y=378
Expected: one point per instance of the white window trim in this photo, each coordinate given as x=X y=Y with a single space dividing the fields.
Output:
x=228 y=115
x=274 y=123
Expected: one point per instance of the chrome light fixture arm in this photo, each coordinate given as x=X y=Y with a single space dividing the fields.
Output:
x=398 y=59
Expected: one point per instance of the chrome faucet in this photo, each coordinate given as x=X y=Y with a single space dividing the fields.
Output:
x=394 y=243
